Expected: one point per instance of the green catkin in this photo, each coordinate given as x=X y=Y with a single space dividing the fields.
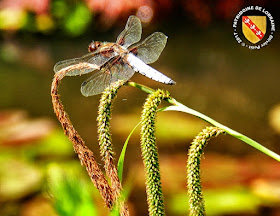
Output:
x=150 y=153
x=105 y=140
x=196 y=200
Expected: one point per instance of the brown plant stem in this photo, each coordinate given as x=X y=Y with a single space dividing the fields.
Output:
x=85 y=155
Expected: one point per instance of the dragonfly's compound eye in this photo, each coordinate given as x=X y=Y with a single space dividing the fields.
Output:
x=93 y=46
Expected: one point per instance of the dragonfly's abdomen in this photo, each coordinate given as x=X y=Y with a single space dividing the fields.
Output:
x=144 y=69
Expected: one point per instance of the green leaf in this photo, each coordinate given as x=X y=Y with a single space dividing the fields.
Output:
x=182 y=108
x=71 y=194
x=177 y=106
x=115 y=212
x=124 y=195
x=121 y=159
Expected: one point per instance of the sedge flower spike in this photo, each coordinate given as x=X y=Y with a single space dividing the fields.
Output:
x=105 y=140
x=196 y=200
x=150 y=153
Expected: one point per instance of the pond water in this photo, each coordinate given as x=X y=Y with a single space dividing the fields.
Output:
x=215 y=75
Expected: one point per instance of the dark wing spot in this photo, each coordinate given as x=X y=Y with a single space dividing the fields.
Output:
x=121 y=42
x=134 y=51
x=84 y=83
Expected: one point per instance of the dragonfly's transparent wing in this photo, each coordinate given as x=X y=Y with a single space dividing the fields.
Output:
x=97 y=83
x=150 y=49
x=132 y=32
x=93 y=58
x=121 y=71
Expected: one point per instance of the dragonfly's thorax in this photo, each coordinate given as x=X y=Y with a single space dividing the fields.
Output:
x=107 y=49
x=120 y=50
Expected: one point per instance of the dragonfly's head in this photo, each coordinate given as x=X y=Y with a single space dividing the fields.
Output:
x=94 y=46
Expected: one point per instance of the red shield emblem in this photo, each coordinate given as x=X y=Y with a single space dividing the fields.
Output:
x=254 y=28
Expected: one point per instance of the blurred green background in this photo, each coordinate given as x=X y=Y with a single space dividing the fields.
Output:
x=39 y=172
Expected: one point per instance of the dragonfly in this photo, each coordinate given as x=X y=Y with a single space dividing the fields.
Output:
x=119 y=60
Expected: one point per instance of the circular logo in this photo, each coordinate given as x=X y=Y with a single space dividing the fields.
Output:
x=253 y=27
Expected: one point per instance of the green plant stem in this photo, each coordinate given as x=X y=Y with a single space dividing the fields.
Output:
x=196 y=200
x=180 y=107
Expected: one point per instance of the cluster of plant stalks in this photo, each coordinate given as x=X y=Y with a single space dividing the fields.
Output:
x=109 y=192
x=110 y=186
